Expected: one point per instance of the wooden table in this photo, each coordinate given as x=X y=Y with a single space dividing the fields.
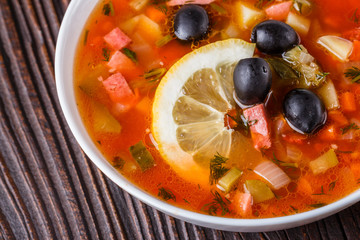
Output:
x=48 y=188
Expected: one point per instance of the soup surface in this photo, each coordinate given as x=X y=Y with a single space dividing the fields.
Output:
x=164 y=112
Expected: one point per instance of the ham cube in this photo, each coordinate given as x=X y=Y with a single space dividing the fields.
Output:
x=279 y=11
x=117 y=39
x=120 y=62
x=118 y=90
x=259 y=126
x=182 y=2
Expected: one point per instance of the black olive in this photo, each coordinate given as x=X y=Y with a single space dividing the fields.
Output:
x=252 y=80
x=304 y=111
x=191 y=22
x=274 y=37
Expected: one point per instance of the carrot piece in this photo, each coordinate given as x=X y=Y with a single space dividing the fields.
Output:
x=242 y=203
x=338 y=118
x=347 y=102
x=304 y=186
x=279 y=11
x=155 y=14
x=353 y=34
x=328 y=134
x=355 y=55
x=294 y=137
x=355 y=168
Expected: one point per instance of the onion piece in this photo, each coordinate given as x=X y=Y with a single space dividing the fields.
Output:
x=293 y=153
x=339 y=47
x=273 y=174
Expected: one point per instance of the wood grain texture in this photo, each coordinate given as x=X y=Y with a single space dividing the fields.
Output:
x=48 y=187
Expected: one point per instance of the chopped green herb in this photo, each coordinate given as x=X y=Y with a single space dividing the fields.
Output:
x=276 y=196
x=320 y=76
x=186 y=201
x=283 y=69
x=155 y=74
x=284 y=213
x=86 y=36
x=289 y=165
x=218 y=203
x=256 y=213
x=299 y=47
x=199 y=186
x=358 y=181
x=332 y=185
x=106 y=54
x=142 y=156
x=276 y=160
x=262 y=3
x=164 y=40
x=160 y=5
x=242 y=123
x=355 y=17
x=353 y=74
x=317 y=205
x=294 y=209
x=130 y=54
x=218 y=8
x=217 y=170
x=351 y=126
x=118 y=162
x=108 y=9
x=99 y=142
x=346 y=152
x=166 y=194
x=321 y=193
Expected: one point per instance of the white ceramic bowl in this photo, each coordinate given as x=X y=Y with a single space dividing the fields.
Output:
x=71 y=27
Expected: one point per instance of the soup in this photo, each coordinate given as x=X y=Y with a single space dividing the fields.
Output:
x=219 y=107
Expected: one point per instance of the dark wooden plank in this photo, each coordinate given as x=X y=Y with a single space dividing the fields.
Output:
x=49 y=188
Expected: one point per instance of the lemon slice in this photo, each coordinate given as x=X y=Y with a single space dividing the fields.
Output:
x=190 y=105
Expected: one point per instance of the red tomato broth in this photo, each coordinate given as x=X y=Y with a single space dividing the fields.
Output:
x=136 y=122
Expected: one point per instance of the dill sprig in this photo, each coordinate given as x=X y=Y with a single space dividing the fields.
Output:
x=332 y=185
x=317 y=205
x=351 y=126
x=217 y=170
x=321 y=193
x=355 y=17
x=166 y=194
x=218 y=203
x=108 y=9
x=130 y=54
x=242 y=123
x=353 y=74
x=106 y=54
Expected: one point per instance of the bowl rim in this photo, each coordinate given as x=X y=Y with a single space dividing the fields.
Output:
x=64 y=62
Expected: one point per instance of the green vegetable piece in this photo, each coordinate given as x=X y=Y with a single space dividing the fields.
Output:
x=90 y=84
x=309 y=71
x=228 y=181
x=353 y=74
x=324 y=162
x=103 y=120
x=259 y=190
x=130 y=54
x=164 y=40
x=303 y=7
x=219 y=9
x=142 y=156
x=283 y=69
